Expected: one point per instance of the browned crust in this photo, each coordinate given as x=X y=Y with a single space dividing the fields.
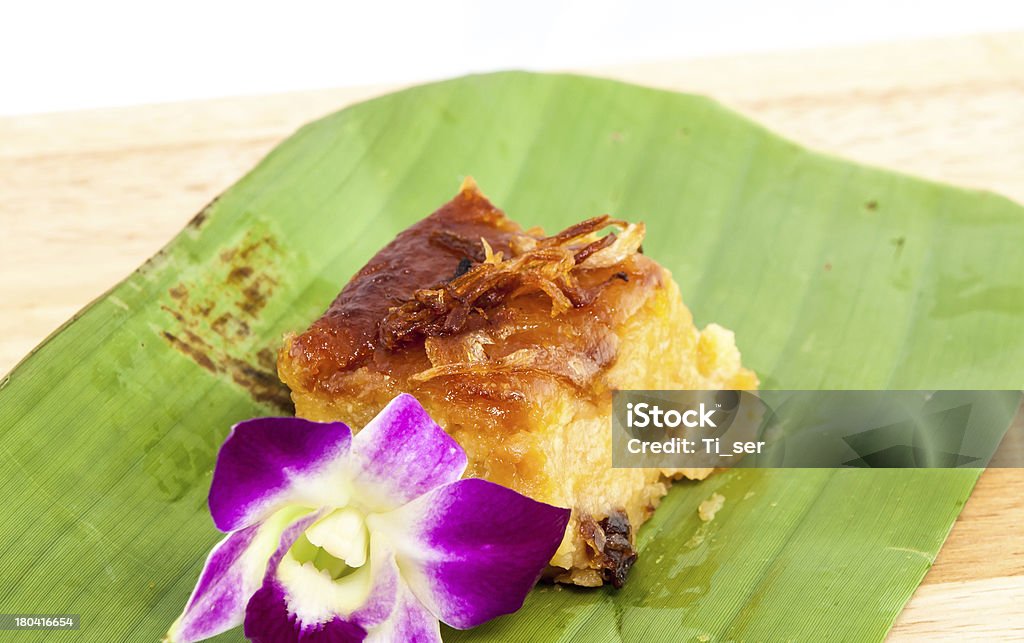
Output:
x=483 y=282
x=346 y=336
x=481 y=286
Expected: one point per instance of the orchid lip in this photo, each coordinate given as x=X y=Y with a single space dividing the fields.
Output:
x=317 y=595
x=343 y=535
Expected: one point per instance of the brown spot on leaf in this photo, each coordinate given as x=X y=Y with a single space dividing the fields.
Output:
x=200 y=218
x=195 y=353
x=255 y=295
x=214 y=316
x=239 y=274
x=267 y=359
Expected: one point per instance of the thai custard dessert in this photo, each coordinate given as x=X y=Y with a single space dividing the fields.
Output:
x=514 y=341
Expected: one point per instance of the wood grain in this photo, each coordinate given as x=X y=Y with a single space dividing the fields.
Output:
x=987 y=610
x=88 y=196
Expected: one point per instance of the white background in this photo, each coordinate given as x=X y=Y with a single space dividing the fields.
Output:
x=75 y=55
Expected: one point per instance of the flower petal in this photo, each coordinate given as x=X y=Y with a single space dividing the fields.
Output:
x=402 y=454
x=267 y=620
x=472 y=550
x=299 y=603
x=267 y=463
x=409 y=622
x=233 y=571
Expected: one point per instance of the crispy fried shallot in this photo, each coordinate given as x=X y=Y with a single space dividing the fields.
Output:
x=547 y=264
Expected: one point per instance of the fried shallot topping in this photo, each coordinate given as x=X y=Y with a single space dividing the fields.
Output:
x=486 y=279
x=610 y=542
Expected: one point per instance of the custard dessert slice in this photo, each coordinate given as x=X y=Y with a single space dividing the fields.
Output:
x=514 y=342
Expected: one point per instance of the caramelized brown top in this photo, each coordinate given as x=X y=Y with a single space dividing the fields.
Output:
x=467 y=292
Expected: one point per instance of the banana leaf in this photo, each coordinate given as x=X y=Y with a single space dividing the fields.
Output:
x=833 y=275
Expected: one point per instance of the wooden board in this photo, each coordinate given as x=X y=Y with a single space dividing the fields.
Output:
x=88 y=196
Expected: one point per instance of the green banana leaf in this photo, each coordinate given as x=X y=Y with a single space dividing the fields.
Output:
x=833 y=275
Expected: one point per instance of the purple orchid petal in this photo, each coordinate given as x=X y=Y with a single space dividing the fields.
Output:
x=409 y=622
x=299 y=603
x=267 y=620
x=472 y=550
x=402 y=454
x=268 y=463
x=233 y=572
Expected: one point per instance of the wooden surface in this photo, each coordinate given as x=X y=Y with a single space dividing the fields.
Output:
x=86 y=197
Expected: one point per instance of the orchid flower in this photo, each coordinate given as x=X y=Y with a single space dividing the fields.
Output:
x=376 y=537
